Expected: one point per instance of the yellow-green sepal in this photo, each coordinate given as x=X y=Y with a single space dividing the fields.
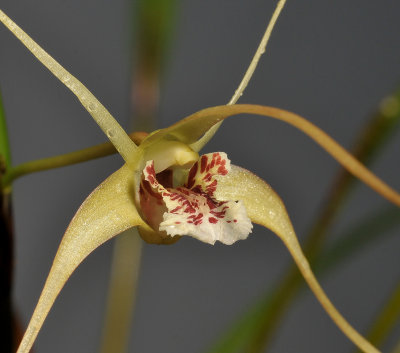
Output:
x=108 y=211
x=265 y=207
x=192 y=130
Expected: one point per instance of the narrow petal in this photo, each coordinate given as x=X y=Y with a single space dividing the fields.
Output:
x=115 y=133
x=108 y=211
x=266 y=208
x=192 y=128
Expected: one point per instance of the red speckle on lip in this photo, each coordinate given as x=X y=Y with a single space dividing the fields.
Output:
x=212 y=164
x=220 y=214
x=184 y=191
x=192 y=174
x=151 y=179
x=207 y=177
x=176 y=209
x=147 y=187
x=222 y=170
x=203 y=163
x=150 y=169
x=212 y=187
x=195 y=196
x=212 y=220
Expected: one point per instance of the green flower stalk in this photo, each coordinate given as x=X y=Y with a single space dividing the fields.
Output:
x=167 y=190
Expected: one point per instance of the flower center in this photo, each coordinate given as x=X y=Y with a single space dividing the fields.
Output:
x=192 y=209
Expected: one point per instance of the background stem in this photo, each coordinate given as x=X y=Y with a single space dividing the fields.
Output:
x=153 y=20
x=63 y=160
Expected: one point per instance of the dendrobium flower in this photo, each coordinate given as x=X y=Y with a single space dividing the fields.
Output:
x=167 y=191
x=193 y=209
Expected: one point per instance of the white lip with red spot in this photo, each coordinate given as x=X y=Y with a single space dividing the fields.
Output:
x=193 y=209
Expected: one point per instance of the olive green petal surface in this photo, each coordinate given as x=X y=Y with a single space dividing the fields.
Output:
x=108 y=211
x=265 y=207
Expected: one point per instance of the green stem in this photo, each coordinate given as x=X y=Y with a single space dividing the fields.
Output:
x=154 y=19
x=122 y=292
x=87 y=154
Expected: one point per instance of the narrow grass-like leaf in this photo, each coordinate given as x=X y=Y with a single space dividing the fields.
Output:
x=237 y=338
x=370 y=229
x=387 y=318
x=5 y=154
x=153 y=27
x=153 y=24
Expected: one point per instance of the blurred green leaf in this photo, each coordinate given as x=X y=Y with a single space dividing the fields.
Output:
x=385 y=322
x=4 y=143
x=153 y=28
x=154 y=21
x=237 y=338
x=371 y=228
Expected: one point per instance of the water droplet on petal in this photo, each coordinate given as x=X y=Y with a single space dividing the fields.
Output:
x=92 y=107
x=110 y=133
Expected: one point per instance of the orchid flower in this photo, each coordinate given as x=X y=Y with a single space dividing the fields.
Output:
x=167 y=190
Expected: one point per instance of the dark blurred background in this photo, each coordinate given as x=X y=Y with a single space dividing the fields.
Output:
x=329 y=61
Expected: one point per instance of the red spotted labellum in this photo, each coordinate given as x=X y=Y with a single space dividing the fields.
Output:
x=192 y=208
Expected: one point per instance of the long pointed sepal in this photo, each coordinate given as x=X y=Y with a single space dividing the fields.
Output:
x=193 y=127
x=265 y=207
x=115 y=133
x=108 y=211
